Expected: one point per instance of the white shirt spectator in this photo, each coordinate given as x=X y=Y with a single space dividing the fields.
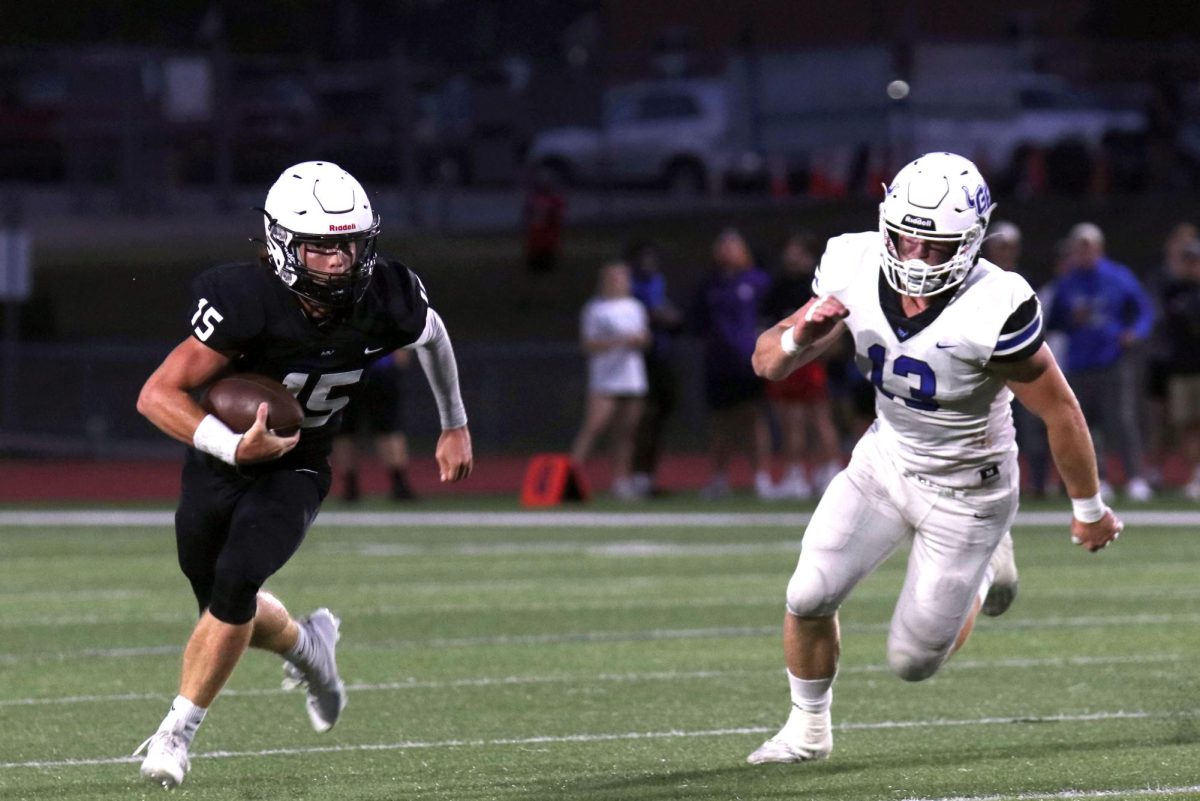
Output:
x=618 y=370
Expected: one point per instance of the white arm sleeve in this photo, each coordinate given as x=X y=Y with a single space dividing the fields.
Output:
x=436 y=355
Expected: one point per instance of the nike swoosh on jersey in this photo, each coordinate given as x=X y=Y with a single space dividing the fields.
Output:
x=944 y=346
x=369 y=351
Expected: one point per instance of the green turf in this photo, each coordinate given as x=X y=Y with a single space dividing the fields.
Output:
x=561 y=663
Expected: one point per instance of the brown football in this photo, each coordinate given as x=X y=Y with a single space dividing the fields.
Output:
x=234 y=399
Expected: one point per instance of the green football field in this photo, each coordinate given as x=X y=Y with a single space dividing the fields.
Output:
x=597 y=655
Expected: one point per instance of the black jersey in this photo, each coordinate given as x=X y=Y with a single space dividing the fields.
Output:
x=246 y=312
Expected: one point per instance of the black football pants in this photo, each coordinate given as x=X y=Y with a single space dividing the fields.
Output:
x=234 y=530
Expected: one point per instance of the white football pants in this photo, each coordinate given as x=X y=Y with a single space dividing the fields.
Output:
x=869 y=510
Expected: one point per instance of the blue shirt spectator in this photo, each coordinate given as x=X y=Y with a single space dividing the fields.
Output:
x=662 y=396
x=649 y=286
x=1104 y=311
x=1101 y=307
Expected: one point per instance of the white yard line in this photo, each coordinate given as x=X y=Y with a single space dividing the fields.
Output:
x=121 y=617
x=583 y=637
x=108 y=518
x=618 y=548
x=408 y=745
x=502 y=681
x=124 y=616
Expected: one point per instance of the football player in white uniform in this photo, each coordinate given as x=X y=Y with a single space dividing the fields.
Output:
x=946 y=339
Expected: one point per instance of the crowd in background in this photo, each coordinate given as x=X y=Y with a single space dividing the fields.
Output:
x=1129 y=348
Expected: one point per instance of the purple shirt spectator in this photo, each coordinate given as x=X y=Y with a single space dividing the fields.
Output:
x=728 y=315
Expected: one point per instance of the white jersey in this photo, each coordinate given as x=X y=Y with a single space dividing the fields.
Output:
x=941 y=413
x=616 y=371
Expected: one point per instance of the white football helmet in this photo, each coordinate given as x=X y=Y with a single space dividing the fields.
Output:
x=940 y=197
x=318 y=202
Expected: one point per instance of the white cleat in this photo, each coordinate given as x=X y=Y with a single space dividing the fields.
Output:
x=1004 y=582
x=1138 y=489
x=806 y=737
x=166 y=761
x=326 y=691
x=764 y=489
x=794 y=487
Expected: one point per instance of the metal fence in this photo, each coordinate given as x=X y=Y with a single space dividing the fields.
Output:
x=80 y=400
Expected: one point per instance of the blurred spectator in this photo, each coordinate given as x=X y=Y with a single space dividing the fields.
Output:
x=1002 y=247
x=1181 y=310
x=545 y=208
x=727 y=314
x=1179 y=240
x=1158 y=352
x=650 y=287
x=1104 y=312
x=801 y=401
x=614 y=330
x=377 y=412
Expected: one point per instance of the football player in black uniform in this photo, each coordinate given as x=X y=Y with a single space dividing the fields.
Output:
x=314 y=314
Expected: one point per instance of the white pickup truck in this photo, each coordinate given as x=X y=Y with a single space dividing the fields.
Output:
x=1044 y=112
x=683 y=135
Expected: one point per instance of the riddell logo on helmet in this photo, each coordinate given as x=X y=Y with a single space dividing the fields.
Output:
x=914 y=221
x=346 y=227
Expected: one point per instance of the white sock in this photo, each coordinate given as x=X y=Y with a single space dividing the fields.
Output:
x=301 y=652
x=811 y=695
x=183 y=719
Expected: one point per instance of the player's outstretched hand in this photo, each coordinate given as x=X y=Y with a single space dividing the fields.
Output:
x=259 y=444
x=1094 y=536
x=453 y=454
x=817 y=318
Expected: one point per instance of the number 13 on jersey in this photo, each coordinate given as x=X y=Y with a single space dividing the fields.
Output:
x=921 y=395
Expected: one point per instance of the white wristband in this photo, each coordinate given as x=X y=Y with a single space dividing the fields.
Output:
x=1088 y=510
x=215 y=438
x=787 y=341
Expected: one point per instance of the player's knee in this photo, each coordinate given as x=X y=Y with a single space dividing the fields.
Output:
x=234 y=598
x=268 y=604
x=916 y=651
x=913 y=663
x=808 y=594
x=202 y=589
x=926 y=625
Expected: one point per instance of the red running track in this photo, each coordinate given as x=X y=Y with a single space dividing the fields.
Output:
x=37 y=480
x=53 y=480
